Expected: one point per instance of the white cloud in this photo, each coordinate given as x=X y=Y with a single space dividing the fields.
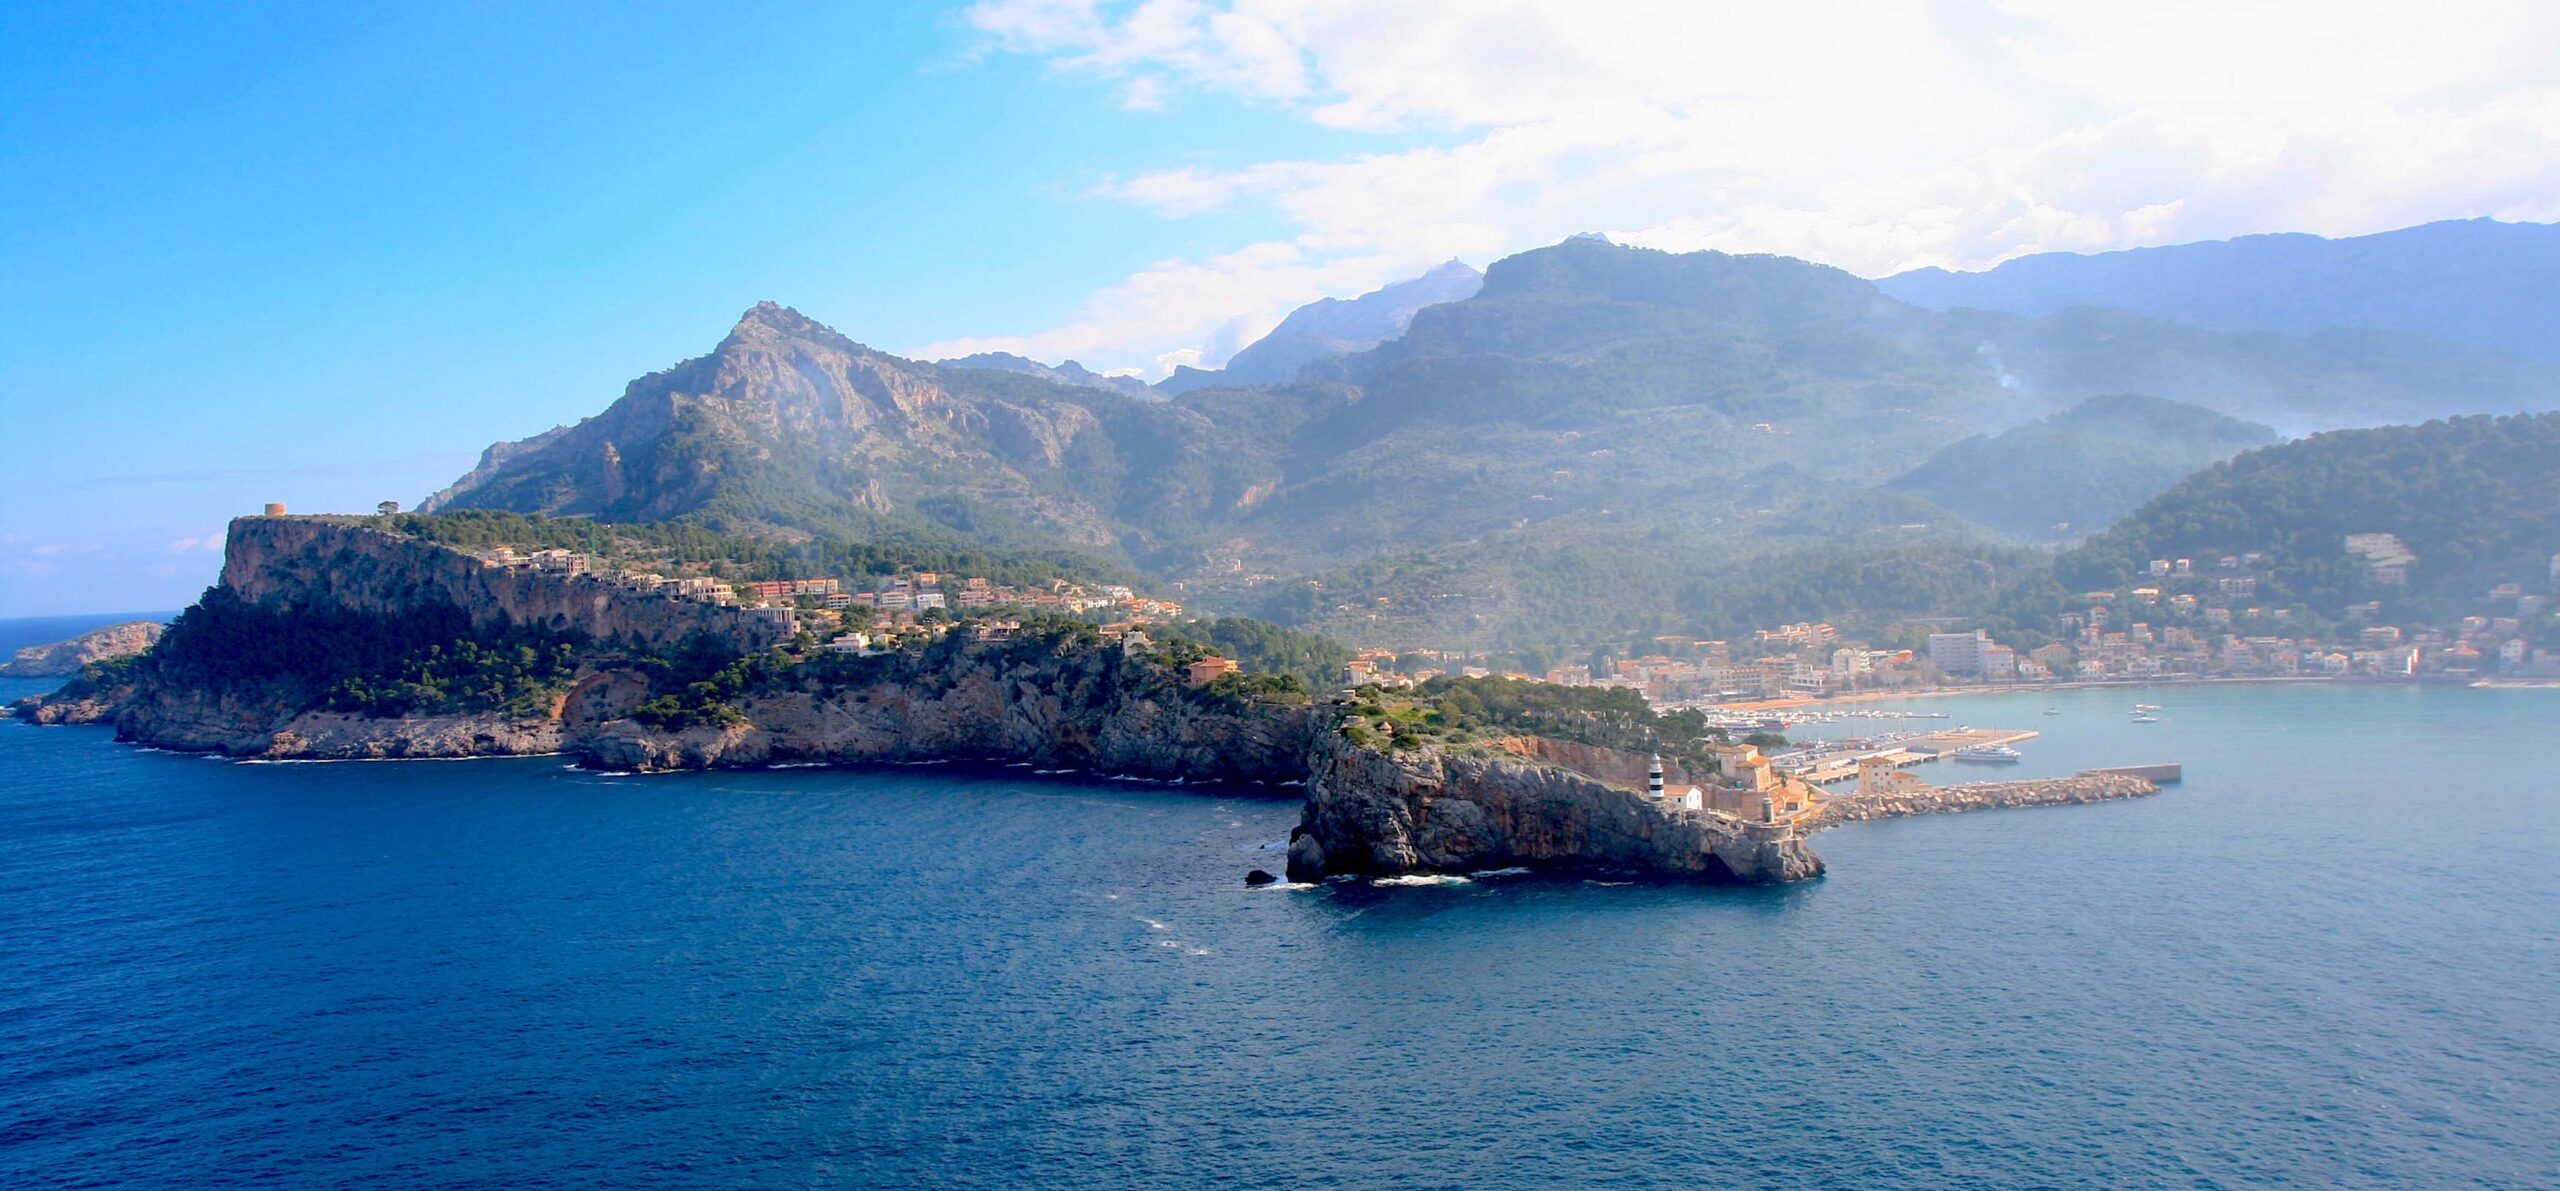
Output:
x=1877 y=136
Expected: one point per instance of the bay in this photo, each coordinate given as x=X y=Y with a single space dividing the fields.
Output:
x=2325 y=959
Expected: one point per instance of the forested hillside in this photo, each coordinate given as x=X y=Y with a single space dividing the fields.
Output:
x=2476 y=500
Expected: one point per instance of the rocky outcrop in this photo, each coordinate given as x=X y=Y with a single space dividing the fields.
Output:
x=266 y=724
x=63 y=658
x=1438 y=809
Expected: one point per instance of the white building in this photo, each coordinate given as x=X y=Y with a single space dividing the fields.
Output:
x=1958 y=653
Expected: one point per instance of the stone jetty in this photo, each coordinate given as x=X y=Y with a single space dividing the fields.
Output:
x=2085 y=786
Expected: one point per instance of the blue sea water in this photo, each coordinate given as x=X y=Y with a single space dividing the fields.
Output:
x=2328 y=959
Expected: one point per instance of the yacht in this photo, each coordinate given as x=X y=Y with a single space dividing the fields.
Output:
x=2146 y=718
x=2145 y=708
x=1996 y=754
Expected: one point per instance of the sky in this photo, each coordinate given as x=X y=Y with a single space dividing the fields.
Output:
x=324 y=254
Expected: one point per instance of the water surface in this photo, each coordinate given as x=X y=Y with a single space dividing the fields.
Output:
x=2326 y=960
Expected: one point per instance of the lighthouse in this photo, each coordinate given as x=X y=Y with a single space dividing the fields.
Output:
x=1653 y=780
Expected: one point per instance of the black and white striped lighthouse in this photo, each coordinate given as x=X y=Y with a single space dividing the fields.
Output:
x=1653 y=780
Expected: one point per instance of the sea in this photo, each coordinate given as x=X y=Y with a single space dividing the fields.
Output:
x=2328 y=958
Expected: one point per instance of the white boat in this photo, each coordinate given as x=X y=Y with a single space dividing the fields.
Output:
x=2145 y=708
x=2146 y=718
x=1994 y=754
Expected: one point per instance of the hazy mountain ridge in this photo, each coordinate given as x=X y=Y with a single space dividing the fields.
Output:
x=1066 y=373
x=2475 y=281
x=1331 y=327
x=2078 y=471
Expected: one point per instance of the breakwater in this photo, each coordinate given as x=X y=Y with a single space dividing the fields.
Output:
x=2086 y=786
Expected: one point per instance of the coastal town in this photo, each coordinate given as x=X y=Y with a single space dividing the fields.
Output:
x=2187 y=620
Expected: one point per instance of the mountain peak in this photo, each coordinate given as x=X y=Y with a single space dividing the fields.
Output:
x=775 y=316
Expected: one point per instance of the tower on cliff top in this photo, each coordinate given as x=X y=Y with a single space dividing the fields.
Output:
x=1653 y=780
x=275 y=508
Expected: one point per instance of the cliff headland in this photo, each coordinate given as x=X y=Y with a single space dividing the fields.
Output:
x=62 y=659
x=334 y=639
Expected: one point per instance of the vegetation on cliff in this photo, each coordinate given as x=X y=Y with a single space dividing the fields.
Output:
x=1312 y=661
x=1464 y=711
x=430 y=662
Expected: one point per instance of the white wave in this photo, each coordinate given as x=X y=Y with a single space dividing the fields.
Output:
x=1152 y=924
x=1514 y=871
x=1287 y=886
x=1423 y=879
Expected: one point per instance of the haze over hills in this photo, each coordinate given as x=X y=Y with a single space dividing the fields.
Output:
x=2076 y=472
x=1602 y=436
x=1332 y=327
x=2473 y=281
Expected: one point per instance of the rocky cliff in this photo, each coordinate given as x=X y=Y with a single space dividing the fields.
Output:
x=1069 y=706
x=63 y=658
x=298 y=563
x=1437 y=809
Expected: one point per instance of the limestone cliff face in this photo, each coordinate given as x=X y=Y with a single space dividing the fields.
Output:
x=1431 y=809
x=315 y=563
x=784 y=404
x=66 y=657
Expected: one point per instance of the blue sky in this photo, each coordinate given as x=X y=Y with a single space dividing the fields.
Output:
x=324 y=254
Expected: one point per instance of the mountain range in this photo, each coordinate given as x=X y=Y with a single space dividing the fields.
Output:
x=1600 y=437
x=1066 y=373
x=2478 y=282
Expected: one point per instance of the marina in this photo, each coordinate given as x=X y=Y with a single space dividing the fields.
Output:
x=1823 y=763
